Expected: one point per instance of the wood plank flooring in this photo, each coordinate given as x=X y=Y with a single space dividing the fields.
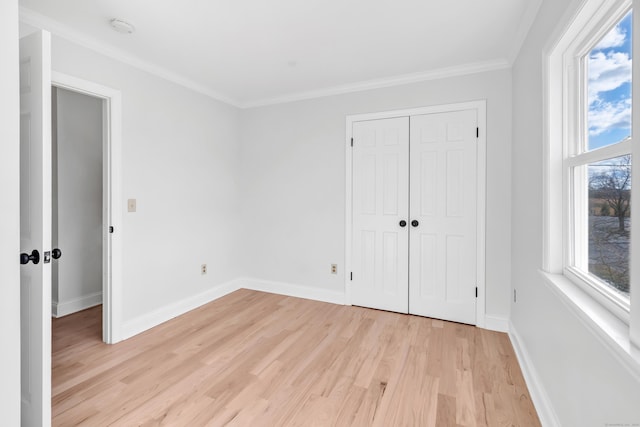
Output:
x=258 y=359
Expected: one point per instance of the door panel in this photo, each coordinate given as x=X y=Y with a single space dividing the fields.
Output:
x=380 y=201
x=35 y=227
x=428 y=190
x=428 y=271
x=442 y=263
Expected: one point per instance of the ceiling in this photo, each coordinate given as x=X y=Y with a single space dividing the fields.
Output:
x=255 y=52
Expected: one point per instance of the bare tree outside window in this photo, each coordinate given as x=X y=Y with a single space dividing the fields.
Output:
x=609 y=221
x=611 y=183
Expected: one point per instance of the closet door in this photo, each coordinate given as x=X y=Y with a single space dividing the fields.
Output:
x=380 y=203
x=443 y=193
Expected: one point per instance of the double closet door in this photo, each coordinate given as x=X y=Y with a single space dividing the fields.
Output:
x=414 y=215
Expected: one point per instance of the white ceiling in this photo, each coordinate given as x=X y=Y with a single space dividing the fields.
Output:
x=251 y=52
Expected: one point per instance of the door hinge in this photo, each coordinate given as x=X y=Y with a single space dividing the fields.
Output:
x=476 y=292
x=351 y=276
x=111 y=229
x=477 y=132
x=352 y=142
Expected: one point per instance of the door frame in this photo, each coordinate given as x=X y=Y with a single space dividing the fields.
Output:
x=481 y=108
x=111 y=198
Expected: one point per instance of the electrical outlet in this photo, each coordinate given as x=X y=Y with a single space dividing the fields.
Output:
x=203 y=269
x=131 y=205
x=334 y=268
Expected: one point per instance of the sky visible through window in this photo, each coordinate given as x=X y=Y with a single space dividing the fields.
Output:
x=609 y=87
x=609 y=183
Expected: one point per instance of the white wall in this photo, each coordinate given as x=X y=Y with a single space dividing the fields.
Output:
x=9 y=215
x=585 y=383
x=293 y=180
x=77 y=224
x=180 y=161
x=259 y=193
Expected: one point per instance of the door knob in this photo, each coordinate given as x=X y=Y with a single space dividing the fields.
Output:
x=415 y=223
x=34 y=257
x=56 y=253
x=403 y=223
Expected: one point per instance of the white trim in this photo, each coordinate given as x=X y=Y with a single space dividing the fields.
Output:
x=481 y=214
x=526 y=22
x=163 y=314
x=430 y=109
x=619 y=149
x=561 y=250
x=610 y=331
x=552 y=194
x=538 y=393
x=64 y=308
x=553 y=128
x=111 y=289
x=634 y=321
x=601 y=293
x=496 y=323
x=292 y=290
x=348 y=210
x=440 y=73
x=481 y=108
x=147 y=321
x=39 y=20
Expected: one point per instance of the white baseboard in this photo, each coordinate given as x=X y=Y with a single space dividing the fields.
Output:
x=496 y=323
x=292 y=290
x=63 y=308
x=161 y=315
x=148 y=321
x=539 y=396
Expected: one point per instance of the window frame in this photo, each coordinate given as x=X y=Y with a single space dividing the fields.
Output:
x=566 y=150
x=577 y=155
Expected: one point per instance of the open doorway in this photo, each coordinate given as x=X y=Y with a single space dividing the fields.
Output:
x=86 y=147
x=77 y=201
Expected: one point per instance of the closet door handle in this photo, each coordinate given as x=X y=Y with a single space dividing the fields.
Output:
x=403 y=223
x=415 y=223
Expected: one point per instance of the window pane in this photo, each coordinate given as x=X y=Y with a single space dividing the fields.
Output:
x=609 y=87
x=609 y=221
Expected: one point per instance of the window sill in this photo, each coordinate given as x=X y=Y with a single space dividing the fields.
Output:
x=612 y=332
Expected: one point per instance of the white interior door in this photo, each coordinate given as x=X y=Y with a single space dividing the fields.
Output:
x=443 y=195
x=380 y=201
x=35 y=227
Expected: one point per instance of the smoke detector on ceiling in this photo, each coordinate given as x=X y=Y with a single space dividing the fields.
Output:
x=122 y=26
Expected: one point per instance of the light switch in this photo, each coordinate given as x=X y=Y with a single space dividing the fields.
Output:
x=131 y=205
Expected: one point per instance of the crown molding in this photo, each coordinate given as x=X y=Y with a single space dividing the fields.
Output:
x=440 y=73
x=38 y=20
x=524 y=26
x=44 y=22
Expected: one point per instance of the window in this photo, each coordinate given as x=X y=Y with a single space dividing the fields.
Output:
x=592 y=182
x=598 y=160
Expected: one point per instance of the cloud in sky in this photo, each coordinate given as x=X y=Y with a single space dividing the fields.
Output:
x=607 y=72
x=605 y=116
x=614 y=38
x=609 y=68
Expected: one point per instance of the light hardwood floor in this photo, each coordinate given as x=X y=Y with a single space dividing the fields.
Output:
x=258 y=359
